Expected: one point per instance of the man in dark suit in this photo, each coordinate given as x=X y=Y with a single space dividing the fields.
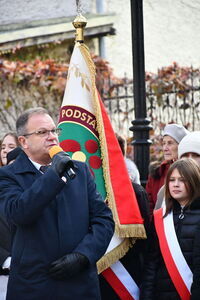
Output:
x=61 y=226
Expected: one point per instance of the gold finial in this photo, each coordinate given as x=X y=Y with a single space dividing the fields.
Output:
x=79 y=23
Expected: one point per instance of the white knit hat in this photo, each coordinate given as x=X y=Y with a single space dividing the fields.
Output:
x=177 y=132
x=190 y=143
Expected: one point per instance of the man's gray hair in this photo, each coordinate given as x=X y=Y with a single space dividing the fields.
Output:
x=24 y=117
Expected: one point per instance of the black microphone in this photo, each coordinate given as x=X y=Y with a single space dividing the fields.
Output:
x=69 y=166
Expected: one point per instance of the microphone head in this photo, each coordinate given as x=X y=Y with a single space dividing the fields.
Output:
x=54 y=150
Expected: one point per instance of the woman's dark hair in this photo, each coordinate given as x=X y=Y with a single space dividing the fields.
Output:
x=190 y=171
x=122 y=143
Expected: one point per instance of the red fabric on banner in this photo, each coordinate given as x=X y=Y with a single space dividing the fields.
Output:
x=117 y=285
x=169 y=261
x=128 y=210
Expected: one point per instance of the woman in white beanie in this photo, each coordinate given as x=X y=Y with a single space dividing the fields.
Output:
x=172 y=135
x=190 y=146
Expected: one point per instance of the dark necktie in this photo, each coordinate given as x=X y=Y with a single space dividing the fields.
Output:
x=43 y=169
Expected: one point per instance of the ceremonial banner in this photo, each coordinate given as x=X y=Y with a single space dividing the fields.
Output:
x=87 y=135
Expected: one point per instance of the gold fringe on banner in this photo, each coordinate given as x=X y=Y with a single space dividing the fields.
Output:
x=114 y=255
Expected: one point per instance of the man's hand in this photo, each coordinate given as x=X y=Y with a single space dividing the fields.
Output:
x=60 y=162
x=68 y=266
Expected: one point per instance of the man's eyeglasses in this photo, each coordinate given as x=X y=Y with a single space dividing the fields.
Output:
x=45 y=132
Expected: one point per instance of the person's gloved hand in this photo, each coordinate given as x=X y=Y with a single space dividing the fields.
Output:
x=68 y=266
x=61 y=162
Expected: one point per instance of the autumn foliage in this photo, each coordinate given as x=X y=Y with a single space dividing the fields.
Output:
x=173 y=78
x=40 y=83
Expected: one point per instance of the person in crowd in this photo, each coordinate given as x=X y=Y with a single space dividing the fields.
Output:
x=190 y=146
x=172 y=135
x=133 y=260
x=131 y=166
x=9 y=142
x=60 y=226
x=174 y=253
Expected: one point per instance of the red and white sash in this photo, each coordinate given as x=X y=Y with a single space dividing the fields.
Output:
x=175 y=262
x=118 y=277
x=121 y=282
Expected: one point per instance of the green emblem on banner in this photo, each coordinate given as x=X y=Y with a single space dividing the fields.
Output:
x=83 y=145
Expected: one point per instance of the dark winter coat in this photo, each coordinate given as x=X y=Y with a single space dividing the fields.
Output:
x=52 y=218
x=133 y=261
x=5 y=237
x=157 y=284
